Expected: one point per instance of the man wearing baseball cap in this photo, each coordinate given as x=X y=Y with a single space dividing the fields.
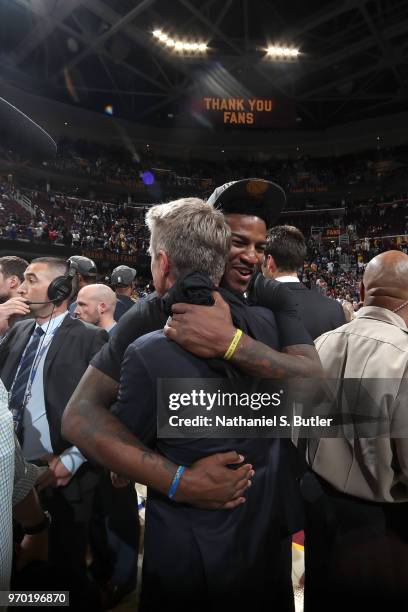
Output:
x=298 y=357
x=86 y=275
x=250 y=206
x=253 y=196
x=87 y=270
x=122 y=279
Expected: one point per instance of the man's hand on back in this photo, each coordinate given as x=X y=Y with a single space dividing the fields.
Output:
x=208 y=483
x=206 y=331
x=211 y=479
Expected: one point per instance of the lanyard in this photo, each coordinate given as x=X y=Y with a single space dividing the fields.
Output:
x=44 y=344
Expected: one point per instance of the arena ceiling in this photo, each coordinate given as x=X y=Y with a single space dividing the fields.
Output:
x=95 y=53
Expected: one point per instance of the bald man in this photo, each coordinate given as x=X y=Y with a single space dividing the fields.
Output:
x=96 y=304
x=356 y=493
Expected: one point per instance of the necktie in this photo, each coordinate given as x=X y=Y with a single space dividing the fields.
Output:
x=16 y=403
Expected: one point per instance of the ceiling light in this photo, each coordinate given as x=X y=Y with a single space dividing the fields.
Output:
x=177 y=44
x=278 y=51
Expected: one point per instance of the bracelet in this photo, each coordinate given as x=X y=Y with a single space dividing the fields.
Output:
x=39 y=527
x=232 y=347
x=176 y=481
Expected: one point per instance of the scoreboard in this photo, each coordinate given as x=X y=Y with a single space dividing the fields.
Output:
x=252 y=112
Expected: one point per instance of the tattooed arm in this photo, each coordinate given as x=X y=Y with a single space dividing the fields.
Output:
x=261 y=361
x=89 y=425
x=207 y=332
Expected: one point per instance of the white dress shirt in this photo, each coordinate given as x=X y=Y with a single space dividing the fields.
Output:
x=37 y=439
x=287 y=279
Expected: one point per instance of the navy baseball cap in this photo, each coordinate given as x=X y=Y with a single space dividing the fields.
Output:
x=123 y=275
x=85 y=266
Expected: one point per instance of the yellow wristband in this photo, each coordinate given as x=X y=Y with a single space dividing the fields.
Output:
x=232 y=347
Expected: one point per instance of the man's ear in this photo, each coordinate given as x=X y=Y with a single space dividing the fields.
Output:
x=13 y=282
x=269 y=266
x=362 y=291
x=164 y=263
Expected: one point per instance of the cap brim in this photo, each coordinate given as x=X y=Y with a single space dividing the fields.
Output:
x=251 y=196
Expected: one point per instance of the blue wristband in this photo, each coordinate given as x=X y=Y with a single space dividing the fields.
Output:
x=176 y=480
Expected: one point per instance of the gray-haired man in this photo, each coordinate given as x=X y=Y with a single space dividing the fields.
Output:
x=191 y=558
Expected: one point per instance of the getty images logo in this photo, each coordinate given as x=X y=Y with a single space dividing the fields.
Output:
x=220 y=399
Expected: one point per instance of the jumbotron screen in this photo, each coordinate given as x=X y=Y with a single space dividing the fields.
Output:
x=246 y=112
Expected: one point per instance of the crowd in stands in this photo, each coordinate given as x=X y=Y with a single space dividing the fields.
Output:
x=359 y=229
x=138 y=169
x=336 y=270
x=332 y=268
x=119 y=228
x=78 y=223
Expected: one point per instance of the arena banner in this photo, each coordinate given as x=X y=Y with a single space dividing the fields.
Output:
x=331 y=232
x=119 y=258
x=251 y=112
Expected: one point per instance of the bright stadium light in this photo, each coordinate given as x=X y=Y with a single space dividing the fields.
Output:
x=176 y=44
x=281 y=52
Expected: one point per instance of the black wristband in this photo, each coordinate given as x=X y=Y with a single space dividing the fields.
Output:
x=39 y=527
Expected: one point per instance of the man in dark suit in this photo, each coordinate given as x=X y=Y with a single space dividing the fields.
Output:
x=284 y=255
x=41 y=363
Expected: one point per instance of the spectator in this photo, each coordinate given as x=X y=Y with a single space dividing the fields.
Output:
x=284 y=255
x=12 y=270
x=96 y=304
x=122 y=279
x=86 y=274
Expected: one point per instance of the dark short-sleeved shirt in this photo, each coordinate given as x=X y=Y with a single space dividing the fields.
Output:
x=148 y=315
x=123 y=304
x=145 y=316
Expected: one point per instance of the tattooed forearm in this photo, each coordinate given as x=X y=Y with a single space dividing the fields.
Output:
x=261 y=361
x=88 y=423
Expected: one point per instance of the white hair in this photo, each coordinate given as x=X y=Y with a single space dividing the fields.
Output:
x=193 y=234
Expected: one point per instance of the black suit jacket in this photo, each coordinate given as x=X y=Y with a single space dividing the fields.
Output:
x=318 y=312
x=67 y=358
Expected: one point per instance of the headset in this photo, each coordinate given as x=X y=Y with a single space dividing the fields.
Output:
x=61 y=287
